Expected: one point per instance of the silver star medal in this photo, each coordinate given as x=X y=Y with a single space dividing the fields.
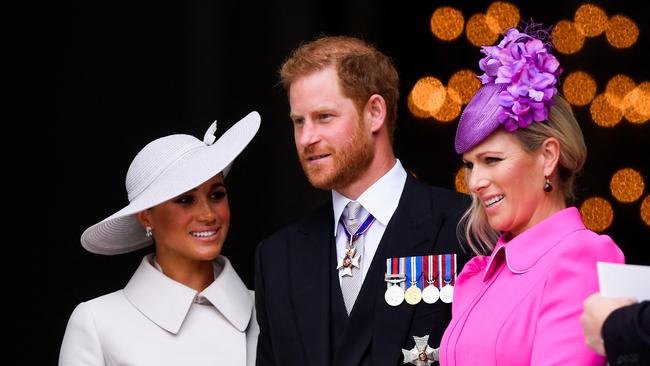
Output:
x=351 y=259
x=421 y=354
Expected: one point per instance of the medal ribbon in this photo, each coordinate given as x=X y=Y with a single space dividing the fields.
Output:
x=439 y=271
x=447 y=268
x=428 y=266
x=360 y=231
x=395 y=266
x=413 y=271
x=453 y=281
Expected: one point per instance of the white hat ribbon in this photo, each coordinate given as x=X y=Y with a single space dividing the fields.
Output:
x=209 y=138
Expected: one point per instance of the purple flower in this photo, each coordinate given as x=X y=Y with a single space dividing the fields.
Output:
x=530 y=72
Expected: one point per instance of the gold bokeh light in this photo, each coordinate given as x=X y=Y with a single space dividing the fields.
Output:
x=617 y=88
x=478 y=31
x=603 y=113
x=579 y=88
x=465 y=84
x=597 y=214
x=590 y=19
x=449 y=109
x=502 y=15
x=426 y=97
x=636 y=104
x=627 y=185
x=621 y=31
x=645 y=210
x=567 y=38
x=447 y=23
x=459 y=182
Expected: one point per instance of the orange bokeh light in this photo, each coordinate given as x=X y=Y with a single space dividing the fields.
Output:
x=590 y=19
x=465 y=84
x=478 y=31
x=579 y=88
x=597 y=214
x=621 y=31
x=426 y=97
x=502 y=15
x=447 y=23
x=567 y=38
x=603 y=113
x=627 y=185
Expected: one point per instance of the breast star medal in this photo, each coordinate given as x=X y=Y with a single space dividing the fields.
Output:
x=421 y=354
x=351 y=259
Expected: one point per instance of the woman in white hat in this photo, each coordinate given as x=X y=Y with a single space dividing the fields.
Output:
x=185 y=304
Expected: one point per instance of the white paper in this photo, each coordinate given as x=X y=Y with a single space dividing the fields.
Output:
x=624 y=280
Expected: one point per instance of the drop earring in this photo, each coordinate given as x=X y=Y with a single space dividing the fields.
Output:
x=148 y=231
x=547 y=185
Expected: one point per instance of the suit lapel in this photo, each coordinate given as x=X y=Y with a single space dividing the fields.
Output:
x=310 y=280
x=411 y=231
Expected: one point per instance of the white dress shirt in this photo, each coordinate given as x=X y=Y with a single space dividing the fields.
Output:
x=155 y=320
x=380 y=200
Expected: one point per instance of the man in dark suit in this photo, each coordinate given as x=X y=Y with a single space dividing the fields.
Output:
x=320 y=282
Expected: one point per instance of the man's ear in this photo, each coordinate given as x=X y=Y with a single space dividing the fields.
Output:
x=375 y=112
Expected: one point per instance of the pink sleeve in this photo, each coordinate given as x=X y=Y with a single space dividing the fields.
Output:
x=559 y=338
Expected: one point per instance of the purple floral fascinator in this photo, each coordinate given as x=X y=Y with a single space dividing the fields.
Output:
x=519 y=82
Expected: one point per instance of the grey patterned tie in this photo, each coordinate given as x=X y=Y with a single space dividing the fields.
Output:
x=350 y=285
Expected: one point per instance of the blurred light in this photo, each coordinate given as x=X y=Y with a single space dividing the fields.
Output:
x=447 y=23
x=566 y=37
x=627 y=185
x=636 y=104
x=459 y=181
x=603 y=113
x=597 y=214
x=579 y=88
x=590 y=20
x=617 y=88
x=465 y=84
x=426 y=97
x=449 y=109
x=645 y=210
x=478 y=32
x=502 y=15
x=621 y=32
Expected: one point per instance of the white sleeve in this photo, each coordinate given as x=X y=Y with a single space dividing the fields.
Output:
x=81 y=344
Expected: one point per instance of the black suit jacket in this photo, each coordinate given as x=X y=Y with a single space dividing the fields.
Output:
x=626 y=333
x=293 y=274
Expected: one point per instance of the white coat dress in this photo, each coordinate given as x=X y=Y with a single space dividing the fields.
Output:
x=155 y=320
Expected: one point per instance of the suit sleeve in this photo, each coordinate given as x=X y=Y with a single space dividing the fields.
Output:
x=626 y=333
x=559 y=339
x=264 y=345
x=81 y=344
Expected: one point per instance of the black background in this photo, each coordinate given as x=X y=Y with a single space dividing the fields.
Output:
x=104 y=78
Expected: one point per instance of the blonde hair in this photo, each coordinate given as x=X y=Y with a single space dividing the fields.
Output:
x=561 y=125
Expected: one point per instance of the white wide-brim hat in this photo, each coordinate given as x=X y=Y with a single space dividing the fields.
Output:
x=162 y=170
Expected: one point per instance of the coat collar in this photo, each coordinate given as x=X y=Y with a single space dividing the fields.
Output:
x=149 y=288
x=526 y=249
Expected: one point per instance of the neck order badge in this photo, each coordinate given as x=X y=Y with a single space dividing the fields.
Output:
x=352 y=256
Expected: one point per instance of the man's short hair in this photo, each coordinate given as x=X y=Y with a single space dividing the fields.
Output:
x=361 y=68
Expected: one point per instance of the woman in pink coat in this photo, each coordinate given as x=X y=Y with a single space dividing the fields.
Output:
x=522 y=147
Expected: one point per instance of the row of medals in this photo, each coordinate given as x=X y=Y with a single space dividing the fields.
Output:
x=394 y=294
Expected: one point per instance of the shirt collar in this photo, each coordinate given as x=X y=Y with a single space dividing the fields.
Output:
x=380 y=199
x=526 y=249
x=167 y=302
